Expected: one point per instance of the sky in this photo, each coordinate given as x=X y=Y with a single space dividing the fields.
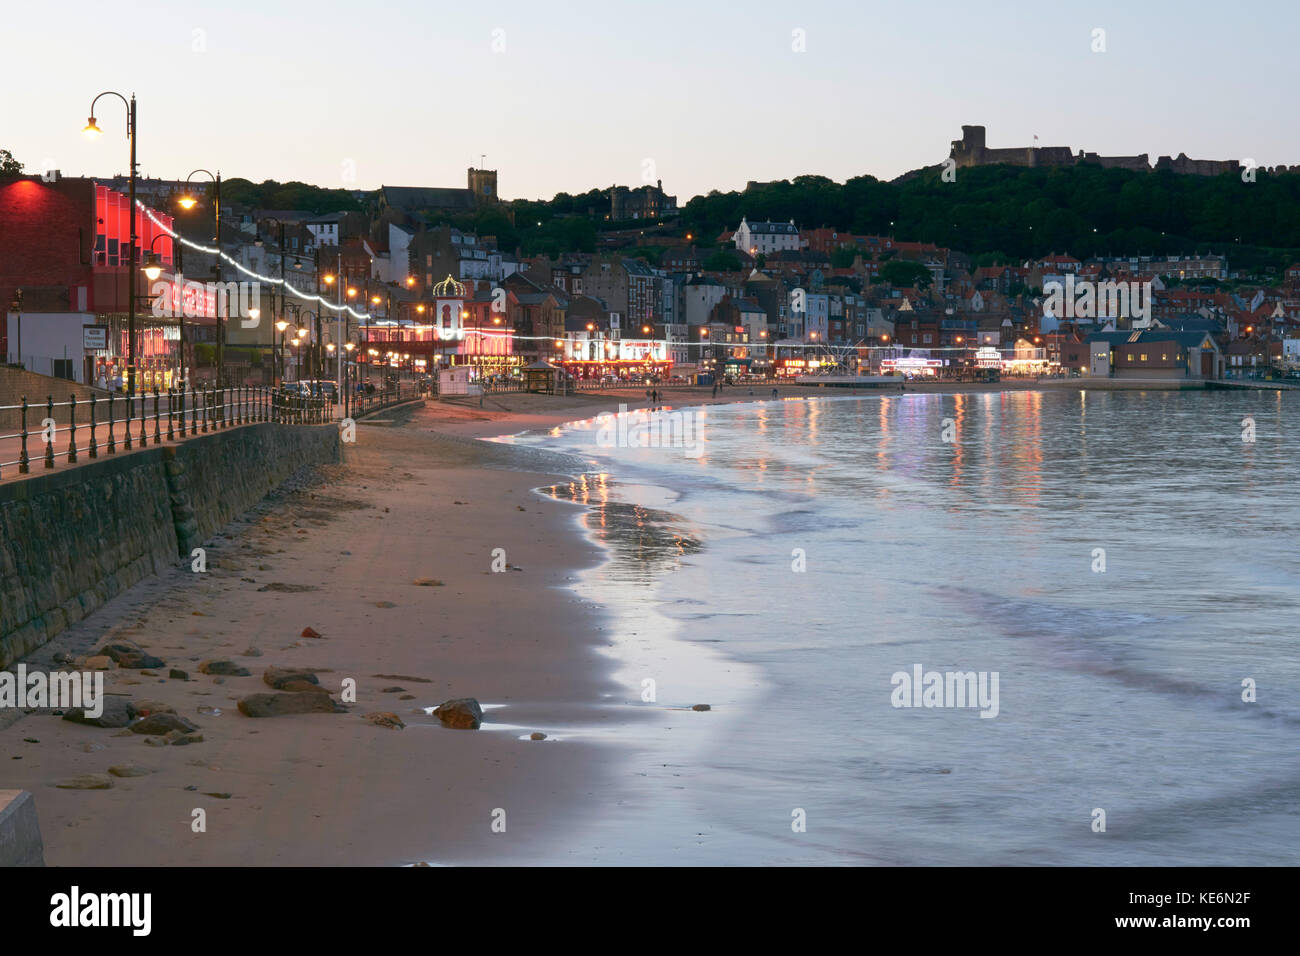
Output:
x=703 y=95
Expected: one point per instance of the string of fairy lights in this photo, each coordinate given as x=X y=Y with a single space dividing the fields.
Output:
x=284 y=283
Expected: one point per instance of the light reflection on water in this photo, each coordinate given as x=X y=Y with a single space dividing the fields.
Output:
x=1120 y=689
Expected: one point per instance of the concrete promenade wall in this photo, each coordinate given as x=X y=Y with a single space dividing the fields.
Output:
x=72 y=539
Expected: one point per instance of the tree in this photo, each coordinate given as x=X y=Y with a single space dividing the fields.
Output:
x=902 y=273
x=843 y=256
x=8 y=165
x=724 y=260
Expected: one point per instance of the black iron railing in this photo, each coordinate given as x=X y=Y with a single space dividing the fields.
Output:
x=66 y=431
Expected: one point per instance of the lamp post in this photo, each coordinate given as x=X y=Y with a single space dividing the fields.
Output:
x=345 y=373
x=17 y=308
x=279 y=365
x=304 y=331
x=92 y=130
x=302 y=339
x=188 y=202
x=152 y=269
x=284 y=279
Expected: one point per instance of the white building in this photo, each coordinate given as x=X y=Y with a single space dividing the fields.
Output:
x=764 y=238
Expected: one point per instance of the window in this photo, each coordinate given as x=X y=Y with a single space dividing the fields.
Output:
x=1164 y=357
x=926 y=338
x=1143 y=357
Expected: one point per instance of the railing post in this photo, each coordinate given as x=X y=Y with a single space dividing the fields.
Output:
x=126 y=442
x=171 y=414
x=203 y=412
x=93 y=448
x=23 y=466
x=157 y=421
x=112 y=442
x=182 y=390
x=49 y=430
x=144 y=419
x=72 y=430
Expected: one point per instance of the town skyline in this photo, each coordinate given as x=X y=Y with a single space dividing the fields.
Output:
x=527 y=98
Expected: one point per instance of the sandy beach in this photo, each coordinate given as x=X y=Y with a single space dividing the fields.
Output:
x=326 y=789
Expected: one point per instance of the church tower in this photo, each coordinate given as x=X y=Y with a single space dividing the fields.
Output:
x=483 y=184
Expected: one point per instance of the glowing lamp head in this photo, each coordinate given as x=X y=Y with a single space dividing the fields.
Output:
x=281 y=325
x=350 y=346
x=374 y=300
x=293 y=342
x=420 y=308
x=352 y=292
x=92 y=129
x=187 y=202
x=254 y=313
x=464 y=314
x=302 y=333
x=410 y=281
x=329 y=280
x=152 y=268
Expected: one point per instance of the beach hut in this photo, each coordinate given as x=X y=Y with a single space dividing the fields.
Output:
x=542 y=376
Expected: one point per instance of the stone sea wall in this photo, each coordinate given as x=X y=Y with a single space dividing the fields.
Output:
x=74 y=538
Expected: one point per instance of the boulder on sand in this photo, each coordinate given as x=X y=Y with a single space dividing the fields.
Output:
x=131 y=658
x=117 y=712
x=462 y=713
x=224 y=669
x=159 y=724
x=384 y=718
x=278 y=705
x=291 y=679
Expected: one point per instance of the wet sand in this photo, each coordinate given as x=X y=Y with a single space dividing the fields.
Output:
x=334 y=788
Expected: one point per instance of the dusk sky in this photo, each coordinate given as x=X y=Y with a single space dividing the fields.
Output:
x=588 y=94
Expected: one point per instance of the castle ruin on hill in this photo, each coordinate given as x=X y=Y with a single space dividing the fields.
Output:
x=971 y=150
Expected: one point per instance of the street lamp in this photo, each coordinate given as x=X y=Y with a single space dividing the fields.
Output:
x=92 y=130
x=280 y=327
x=188 y=201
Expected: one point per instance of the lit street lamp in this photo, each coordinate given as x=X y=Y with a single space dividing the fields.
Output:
x=92 y=130
x=187 y=202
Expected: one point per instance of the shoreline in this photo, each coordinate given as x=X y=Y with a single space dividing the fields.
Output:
x=334 y=789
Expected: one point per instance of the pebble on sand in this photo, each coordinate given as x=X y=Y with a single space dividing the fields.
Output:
x=701 y=707
x=87 y=781
x=128 y=770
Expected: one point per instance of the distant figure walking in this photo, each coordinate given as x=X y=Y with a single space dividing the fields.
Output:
x=715 y=389
x=774 y=393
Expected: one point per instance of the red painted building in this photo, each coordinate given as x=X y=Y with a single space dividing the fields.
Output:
x=65 y=244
